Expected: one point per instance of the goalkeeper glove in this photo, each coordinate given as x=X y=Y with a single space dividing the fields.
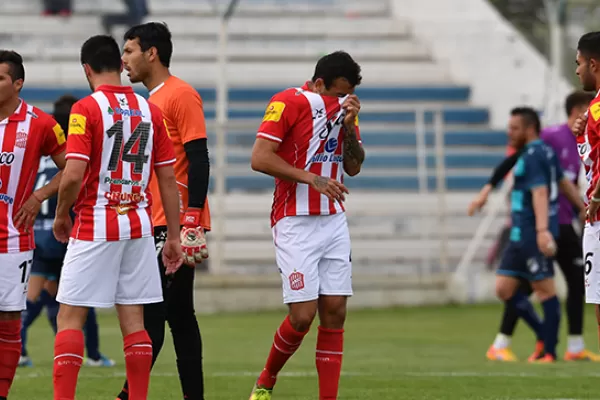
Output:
x=193 y=241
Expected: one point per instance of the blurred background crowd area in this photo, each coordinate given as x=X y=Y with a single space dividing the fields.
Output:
x=439 y=79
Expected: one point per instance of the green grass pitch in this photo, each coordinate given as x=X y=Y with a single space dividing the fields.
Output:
x=406 y=353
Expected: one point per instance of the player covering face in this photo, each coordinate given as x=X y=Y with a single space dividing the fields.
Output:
x=117 y=141
x=26 y=134
x=308 y=138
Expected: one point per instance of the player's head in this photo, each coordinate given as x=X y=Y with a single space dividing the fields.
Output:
x=12 y=75
x=576 y=104
x=100 y=55
x=524 y=126
x=336 y=74
x=147 y=46
x=62 y=109
x=588 y=61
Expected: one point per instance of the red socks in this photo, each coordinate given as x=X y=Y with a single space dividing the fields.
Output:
x=68 y=356
x=138 y=362
x=330 y=347
x=10 y=350
x=286 y=342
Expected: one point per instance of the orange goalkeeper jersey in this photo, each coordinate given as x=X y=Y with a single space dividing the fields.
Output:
x=184 y=117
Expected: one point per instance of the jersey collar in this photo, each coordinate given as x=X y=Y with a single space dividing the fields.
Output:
x=19 y=115
x=114 y=89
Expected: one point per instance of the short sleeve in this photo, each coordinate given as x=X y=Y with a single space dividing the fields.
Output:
x=535 y=173
x=164 y=154
x=280 y=115
x=54 y=140
x=189 y=116
x=79 y=137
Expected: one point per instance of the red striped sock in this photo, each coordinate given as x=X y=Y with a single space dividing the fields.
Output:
x=330 y=348
x=68 y=355
x=10 y=350
x=287 y=340
x=138 y=362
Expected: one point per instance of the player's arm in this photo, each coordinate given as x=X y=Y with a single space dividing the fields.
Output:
x=537 y=182
x=51 y=188
x=70 y=186
x=498 y=175
x=172 y=253
x=354 y=154
x=569 y=189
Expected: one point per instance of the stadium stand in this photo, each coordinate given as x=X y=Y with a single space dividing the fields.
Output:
x=273 y=45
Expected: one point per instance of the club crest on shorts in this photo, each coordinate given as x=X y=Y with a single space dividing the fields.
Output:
x=296 y=280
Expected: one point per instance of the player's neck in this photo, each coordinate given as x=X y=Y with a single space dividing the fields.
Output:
x=9 y=107
x=159 y=76
x=109 y=78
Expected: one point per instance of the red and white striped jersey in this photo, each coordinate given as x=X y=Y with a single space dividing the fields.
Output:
x=308 y=127
x=25 y=137
x=123 y=138
x=588 y=146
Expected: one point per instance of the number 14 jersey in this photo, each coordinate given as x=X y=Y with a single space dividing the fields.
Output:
x=123 y=139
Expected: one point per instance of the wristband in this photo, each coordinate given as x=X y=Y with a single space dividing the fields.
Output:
x=37 y=198
x=191 y=219
x=595 y=199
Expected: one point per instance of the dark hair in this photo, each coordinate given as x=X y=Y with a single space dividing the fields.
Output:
x=62 y=109
x=102 y=54
x=529 y=116
x=15 y=64
x=337 y=65
x=577 y=99
x=589 y=45
x=153 y=34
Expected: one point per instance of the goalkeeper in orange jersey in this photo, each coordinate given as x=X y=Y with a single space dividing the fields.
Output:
x=146 y=57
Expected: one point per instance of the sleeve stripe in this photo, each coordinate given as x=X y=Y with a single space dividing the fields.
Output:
x=169 y=162
x=77 y=156
x=269 y=137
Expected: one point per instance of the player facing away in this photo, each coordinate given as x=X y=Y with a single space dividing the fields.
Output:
x=146 y=57
x=48 y=259
x=588 y=70
x=534 y=227
x=569 y=254
x=26 y=135
x=116 y=142
x=308 y=138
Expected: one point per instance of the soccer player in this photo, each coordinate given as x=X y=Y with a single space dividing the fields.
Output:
x=569 y=254
x=588 y=70
x=48 y=259
x=146 y=57
x=535 y=225
x=26 y=134
x=116 y=142
x=308 y=138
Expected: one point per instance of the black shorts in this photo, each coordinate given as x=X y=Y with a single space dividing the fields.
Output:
x=570 y=251
x=47 y=268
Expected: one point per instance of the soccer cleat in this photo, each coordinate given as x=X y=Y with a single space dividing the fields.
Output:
x=101 y=362
x=538 y=353
x=25 y=361
x=546 y=359
x=260 y=393
x=504 y=354
x=584 y=355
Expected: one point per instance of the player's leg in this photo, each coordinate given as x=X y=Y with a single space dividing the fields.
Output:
x=52 y=306
x=139 y=283
x=297 y=252
x=92 y=343
x=13 y=288
x=186 y=333
x=88 y=279
x=591 y=251
x=335 y=277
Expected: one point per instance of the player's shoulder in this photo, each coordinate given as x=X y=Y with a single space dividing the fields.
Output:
x=39 y=116
x=180 y=89
x=87 y=104
x=594 y=111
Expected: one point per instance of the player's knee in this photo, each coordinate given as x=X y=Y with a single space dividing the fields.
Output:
x=504 y=292
x=71 y=317
x=10 y=315
x=332 y=312
x=302 y=316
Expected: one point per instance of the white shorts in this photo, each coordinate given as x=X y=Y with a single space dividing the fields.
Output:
x=313 y=256
x=102 y=274
x=591 y=259
x=15 y=269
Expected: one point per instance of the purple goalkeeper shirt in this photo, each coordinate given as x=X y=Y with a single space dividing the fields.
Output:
x=562 y=140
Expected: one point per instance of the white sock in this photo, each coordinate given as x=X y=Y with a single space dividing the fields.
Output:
x=575 y=344
x=502 y=341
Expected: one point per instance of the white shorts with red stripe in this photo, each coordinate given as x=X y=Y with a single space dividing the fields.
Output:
x=313 y=256
x=102 y=274
x=591 y=254
x=15 y=269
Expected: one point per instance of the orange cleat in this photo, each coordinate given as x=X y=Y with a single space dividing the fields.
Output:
x=584 y=355
x=538 y=352
x=546 y=359
x=504 y=354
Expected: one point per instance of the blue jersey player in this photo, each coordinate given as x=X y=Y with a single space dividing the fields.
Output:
x=538 y=177
x=48 y=259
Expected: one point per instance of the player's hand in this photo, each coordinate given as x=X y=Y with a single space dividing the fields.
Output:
x=329 y=187
x=352 y=107
x=62 y=228
x=26 y=215
x=578 y=127
x=172 y=256
x=546 y=243
x=592 y=211
x=477 y=204
x=193 y=241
